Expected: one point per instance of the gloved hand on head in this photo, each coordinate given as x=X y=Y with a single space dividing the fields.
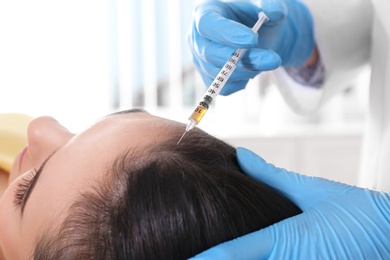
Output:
x=220 y=27
x=338 y=221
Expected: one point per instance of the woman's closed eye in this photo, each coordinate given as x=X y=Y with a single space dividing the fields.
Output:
x=26 y=185
x=22 y=188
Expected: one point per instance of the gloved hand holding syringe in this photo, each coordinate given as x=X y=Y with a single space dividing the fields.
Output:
x=220 y=81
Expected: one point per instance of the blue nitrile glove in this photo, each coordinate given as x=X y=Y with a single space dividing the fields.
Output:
x=220 y=27
x=338 y=221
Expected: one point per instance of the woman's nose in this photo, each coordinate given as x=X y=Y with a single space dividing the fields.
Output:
x=45 y=135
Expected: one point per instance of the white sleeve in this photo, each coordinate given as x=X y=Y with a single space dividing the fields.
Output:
x=343 y=33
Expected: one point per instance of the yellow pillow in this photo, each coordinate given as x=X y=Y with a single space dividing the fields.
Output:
x=13 y=137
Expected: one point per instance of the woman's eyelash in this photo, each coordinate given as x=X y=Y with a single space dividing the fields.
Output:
x=22 y=187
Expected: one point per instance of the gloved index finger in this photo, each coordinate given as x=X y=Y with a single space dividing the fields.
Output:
x=211 y=24
x=305 y=191
x=276 y=10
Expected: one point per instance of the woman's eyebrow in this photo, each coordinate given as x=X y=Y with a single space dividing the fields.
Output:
x=34 y=181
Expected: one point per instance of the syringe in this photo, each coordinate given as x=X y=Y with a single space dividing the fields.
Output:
x=220 y=81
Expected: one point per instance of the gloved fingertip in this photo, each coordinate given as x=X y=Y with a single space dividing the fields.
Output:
x=276 y=10
x=268 y=60
x=215 y=27
x=247 y=39
x=262 y=60
x=248 y=160
x=244 y=152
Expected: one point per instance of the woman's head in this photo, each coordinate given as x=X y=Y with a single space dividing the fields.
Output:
x=123 y=188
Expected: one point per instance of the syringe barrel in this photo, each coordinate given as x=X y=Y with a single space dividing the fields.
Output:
x=220 y=80
x=216 y=86
x=224 y=74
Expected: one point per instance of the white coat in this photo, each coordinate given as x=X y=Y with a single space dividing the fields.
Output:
x=351 y=34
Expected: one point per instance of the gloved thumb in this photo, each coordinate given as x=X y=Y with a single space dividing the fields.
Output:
x=305 y=191
x=256 y=245
x=276 y=10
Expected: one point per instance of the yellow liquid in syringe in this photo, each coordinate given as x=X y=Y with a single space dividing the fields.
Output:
x=194 y=119
x=198 y=113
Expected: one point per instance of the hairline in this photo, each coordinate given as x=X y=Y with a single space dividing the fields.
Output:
x=112 y=181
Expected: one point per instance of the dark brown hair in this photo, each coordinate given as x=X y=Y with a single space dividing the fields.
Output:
x=166 y=202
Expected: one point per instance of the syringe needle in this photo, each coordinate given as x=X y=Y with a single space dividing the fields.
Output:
x=191 y=124
x=182 y=137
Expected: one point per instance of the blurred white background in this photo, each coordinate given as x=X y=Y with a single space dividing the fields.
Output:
x=79 y=60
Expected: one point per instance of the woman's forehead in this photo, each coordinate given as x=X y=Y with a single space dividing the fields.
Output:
x=127 y=130
x=147 y=117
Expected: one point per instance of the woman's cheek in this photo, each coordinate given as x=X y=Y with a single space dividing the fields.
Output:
x=10 y=222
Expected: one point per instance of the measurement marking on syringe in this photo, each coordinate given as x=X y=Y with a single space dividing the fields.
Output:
x=220 y=81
